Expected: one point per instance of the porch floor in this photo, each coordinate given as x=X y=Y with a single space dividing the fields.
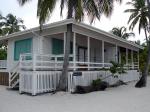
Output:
x=125 y=98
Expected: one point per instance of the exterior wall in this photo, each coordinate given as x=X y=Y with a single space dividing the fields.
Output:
x=11 y=42
x=40 y=43
x=47 y=46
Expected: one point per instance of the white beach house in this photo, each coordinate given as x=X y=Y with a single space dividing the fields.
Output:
x=35 y=58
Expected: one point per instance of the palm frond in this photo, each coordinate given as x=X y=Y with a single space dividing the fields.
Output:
x=22 y=2
x=131 y=10
x=132 y=16
x=45 y=9
x=91 y=10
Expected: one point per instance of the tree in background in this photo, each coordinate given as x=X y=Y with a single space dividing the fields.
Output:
x=8 y=25
x=141 y=16
x=77 y=9
x=122 y=32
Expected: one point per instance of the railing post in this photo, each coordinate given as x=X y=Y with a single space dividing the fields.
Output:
x=20 y=62
x=103 y=53
x=88 y=44
x=64 y=41
x=34 y=84
x=34 y=62
x=116 y=56
x=34 y=89
x=127 y=57
x=55 y=62
x=132 y=60
x=74 y=51
x=20 y=75
x=9 y=79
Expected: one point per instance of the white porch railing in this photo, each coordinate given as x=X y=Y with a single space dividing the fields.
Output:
x=3 y=64
x=55 y=62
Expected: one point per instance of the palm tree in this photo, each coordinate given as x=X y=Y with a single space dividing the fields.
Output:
x=10 y=24
x=77 y=9
x=121 y=32
x=140 y=15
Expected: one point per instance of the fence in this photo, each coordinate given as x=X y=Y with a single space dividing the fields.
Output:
x=3 y=64
x=88 y=76
x=35 y=82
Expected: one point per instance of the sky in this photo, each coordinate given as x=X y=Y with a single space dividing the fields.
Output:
x=28 y=14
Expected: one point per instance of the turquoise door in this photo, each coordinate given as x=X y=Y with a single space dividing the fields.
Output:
x=22 y=46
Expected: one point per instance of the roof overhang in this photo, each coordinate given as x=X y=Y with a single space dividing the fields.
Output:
x=65 y=22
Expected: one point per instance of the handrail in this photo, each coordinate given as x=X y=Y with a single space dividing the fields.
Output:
x=3 y=64
x=13 y=73
x=14 y=67
x=56 y=61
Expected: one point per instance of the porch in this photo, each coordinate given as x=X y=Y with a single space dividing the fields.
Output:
x=35 y=60
x=41 y=73
x=86 y=53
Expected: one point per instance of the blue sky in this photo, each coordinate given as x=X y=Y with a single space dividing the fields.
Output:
x=28 y=14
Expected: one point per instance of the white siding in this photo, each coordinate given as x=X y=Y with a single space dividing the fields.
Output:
x=11 y=42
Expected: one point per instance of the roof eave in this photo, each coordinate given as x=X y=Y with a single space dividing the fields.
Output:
x=70 y=21
x=107 y=34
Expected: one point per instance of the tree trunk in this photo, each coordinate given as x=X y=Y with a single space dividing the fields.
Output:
x=143 y=80
x=63 y=79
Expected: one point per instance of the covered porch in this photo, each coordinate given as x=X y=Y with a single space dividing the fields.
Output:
x=35 y=60
x=86 y=53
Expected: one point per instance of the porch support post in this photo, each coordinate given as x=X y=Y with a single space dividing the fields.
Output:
x=41 y=45
x=126 y=56
x=119 y=55
x=103 y=53
x=74 y=51
x=116 y=56
x=88 y=44
x=132 y=61
x=64 y=41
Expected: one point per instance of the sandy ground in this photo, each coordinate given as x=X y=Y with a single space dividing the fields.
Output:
x=125 y=98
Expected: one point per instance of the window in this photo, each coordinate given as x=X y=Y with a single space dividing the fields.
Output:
x=22 y=46
x=58 y=46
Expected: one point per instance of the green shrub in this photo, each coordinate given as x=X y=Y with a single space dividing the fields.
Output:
x=96 y=82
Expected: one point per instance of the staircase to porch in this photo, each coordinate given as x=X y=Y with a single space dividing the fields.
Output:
x=14 y=77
